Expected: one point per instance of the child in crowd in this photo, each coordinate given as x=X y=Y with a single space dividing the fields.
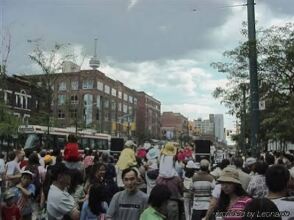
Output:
x=10 y=211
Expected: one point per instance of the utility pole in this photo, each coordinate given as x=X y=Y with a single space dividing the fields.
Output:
x=243 y=118
x=254 y=96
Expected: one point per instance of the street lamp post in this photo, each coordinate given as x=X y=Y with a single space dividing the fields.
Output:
x=254 y=97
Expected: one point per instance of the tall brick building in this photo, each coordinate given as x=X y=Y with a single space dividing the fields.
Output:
x=88 y=98
x=148 y=116
x=173 y=125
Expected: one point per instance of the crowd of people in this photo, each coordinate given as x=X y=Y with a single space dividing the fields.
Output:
x=148 y=182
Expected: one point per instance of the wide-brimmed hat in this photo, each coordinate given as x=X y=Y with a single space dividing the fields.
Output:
x=9 y=194
x=230 y=175
x=152 y=154
x=130 y=143
x=169 y=149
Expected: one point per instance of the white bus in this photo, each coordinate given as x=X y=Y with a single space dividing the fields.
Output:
x=37 y=137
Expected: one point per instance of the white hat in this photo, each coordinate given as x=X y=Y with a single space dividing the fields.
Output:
x=191 y=164
x=130 y=143
x=27 y=172
x=250 y=161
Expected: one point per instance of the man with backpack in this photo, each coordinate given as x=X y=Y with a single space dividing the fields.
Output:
x=71 y=153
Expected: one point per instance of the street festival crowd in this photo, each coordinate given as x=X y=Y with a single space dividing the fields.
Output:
x=144 y=183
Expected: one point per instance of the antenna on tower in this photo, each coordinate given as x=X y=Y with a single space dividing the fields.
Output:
x=94 y=62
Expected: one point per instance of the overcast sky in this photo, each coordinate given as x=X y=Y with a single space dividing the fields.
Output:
x=163 y=47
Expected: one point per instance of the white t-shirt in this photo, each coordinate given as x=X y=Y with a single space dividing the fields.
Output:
x=59 y=203
x=217 y=191
x=2 y=166
x=12 y=168
x=285 y=206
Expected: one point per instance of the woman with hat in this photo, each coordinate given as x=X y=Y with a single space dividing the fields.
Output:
x=151 y=169
x=9 y=208
x=233 y=198
x=168 y=176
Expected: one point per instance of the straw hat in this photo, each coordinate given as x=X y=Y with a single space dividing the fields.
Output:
x=169 y=149
x=230 y=175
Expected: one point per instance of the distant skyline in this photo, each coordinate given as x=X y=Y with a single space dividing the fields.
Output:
x=162 y=47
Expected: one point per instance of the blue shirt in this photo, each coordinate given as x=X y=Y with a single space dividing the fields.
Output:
x=24 y=202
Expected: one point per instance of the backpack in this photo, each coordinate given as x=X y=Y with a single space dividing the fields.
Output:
x=71 y=152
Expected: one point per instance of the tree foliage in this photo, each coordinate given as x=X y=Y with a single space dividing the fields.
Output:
x=275 y=49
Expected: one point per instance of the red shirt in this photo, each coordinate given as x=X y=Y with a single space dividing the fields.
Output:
x=10 y=213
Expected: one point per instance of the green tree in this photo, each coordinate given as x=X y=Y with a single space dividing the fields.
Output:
x=275 y=48
x=8 y=125
x=50 y=62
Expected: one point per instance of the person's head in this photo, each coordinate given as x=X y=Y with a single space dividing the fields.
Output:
x=230 y=186
x=26 y=178
x=250 y=163
x=72 y=138
x=9 y=197
x=130 y=144
x=61 y=175
x=224 y=163
x=99 y=170
x=238 y=162
x=204 y=165
x=159 y=197
x=277 y=178
x=105 y=158
x=19 y=155
x=43 y=153
x=97 y=195
x=130 y=178
x=269 y=159
x=261 y=205
x=261 y=167
x=33 y=159
x=48 y=159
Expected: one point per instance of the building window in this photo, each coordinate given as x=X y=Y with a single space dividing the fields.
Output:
x=74 y=85
x=88 y=84
x=125 y=108
x=88 y=108
x=73 y=113
x=106 y=117
x=100 y=86
x=113 y=92
x=106 y=103
x=107 y=89
x=61 y=99
x=61 y=114
x=98 y=101
x=135 y=101
x=131 y=99
x=130 y=110
x=125 y=97
x=119 y=94
x=113 y=118
x=62 y=86
x=113 y=105
x=119 y=107
x=74 y=99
